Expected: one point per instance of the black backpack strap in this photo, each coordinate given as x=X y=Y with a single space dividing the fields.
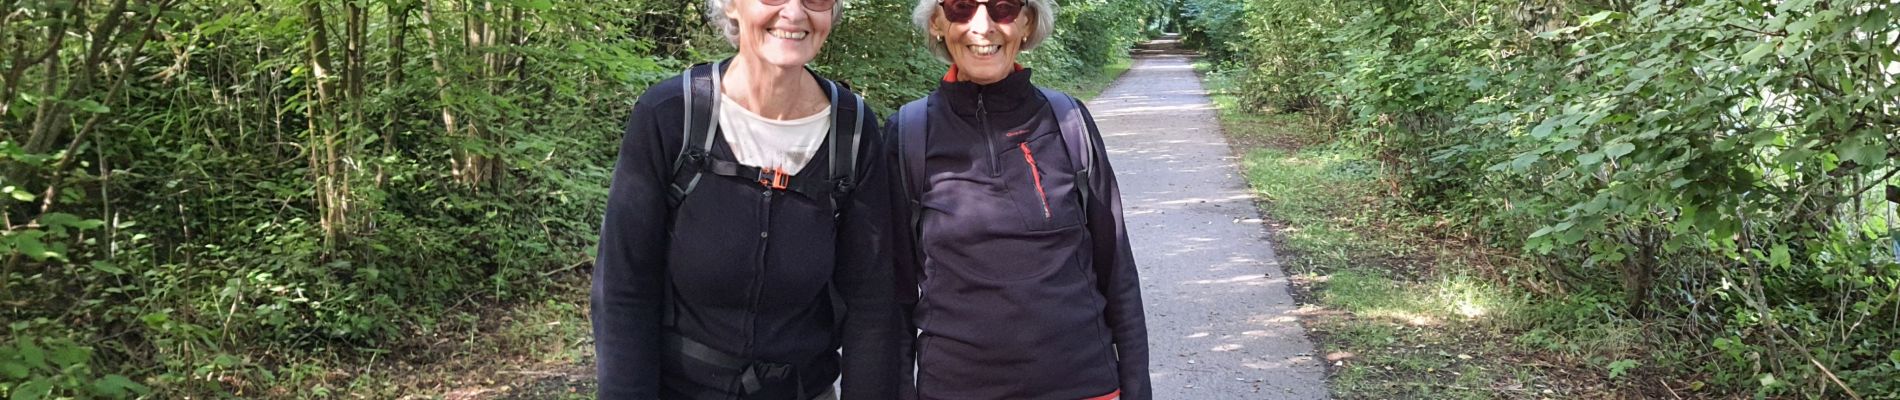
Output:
x=699 y=84
x=1076 y=138
x=809 y=185
x=701 y=87
x=913 y=128
x=844 y=169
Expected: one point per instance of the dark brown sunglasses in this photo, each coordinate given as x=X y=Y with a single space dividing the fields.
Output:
x=814 y=5
x=961 y=11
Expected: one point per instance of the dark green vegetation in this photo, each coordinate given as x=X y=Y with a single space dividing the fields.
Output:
x=1649 y=198
x=330 y=198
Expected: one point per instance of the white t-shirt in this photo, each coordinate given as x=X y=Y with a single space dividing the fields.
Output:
x=785 y=145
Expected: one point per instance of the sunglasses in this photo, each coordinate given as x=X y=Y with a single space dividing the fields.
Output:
x=814 y=5
x=961 y=11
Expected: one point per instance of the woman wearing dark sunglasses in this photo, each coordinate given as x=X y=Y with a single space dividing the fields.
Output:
x=740 y=216
x=1009 y=224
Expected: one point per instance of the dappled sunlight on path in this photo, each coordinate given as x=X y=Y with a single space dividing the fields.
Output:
x=1221 y=323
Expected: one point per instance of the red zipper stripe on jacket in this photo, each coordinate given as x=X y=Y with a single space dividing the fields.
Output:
x=1037 y=173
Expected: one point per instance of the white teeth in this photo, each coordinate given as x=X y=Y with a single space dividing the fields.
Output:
x=787 y=35
x=986 y=50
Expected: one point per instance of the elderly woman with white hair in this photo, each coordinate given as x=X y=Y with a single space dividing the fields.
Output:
x=741 y=246
x=1008 y=221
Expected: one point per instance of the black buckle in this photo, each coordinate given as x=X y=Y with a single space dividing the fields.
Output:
x=844 y=187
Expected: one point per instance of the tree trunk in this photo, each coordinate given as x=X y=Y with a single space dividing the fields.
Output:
x=52 y=122
x=436 y=52
x=322 y=127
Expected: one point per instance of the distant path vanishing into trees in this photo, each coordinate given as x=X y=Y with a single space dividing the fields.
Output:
x=1220 y=319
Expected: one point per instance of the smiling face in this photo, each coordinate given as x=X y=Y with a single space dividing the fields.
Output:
x=983 y=50
x=786 y=35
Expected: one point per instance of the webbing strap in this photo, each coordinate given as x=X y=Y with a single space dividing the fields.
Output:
x=811 y=186
x=1076 y=138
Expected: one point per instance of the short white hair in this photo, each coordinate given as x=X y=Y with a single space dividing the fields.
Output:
x=1044 y=15
x=716 y=16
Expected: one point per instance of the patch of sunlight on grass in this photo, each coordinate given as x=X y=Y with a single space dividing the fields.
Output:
x=1370 y=294
x=1473 y=299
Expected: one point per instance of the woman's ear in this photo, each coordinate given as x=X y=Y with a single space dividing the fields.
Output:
x=936 y=27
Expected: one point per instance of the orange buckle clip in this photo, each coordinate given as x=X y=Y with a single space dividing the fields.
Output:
x=775 y=180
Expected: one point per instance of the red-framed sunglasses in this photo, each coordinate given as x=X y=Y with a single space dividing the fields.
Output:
x=814 y=5
x=1001 y=11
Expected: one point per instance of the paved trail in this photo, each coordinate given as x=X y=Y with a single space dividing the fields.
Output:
x=1219 y=316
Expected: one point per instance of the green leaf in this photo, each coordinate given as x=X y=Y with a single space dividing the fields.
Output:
x=116 y=385
x=538 y=5
x=1895 y=356
x=1622 y=367
x=107 y=267
x=18 y=194
x=1524 y=161
x=1619 y=150
x=1589 y=159
x=1598 y=17
x=33 y=389
x=70 y=355
x=14 y=370
x=1543 y=130
x=93 y=107
x=32 y=354
x=1778 y=256
x=58 y=219
x=1760 y=50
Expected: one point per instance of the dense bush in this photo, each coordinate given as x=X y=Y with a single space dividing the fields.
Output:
x=202 y=197
x=1724 y=165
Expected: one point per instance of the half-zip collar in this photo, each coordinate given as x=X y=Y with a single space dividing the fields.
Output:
x=992 y=110
x=1010 y=102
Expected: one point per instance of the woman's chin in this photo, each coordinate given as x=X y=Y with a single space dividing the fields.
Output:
x=787 y=62
x=787 y=55
x=986 y=71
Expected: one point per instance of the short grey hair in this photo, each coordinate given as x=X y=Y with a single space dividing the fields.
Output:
x=1045 y=16
x=716 y=16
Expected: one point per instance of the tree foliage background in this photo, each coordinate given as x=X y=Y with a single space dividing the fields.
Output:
x=200 y=197
x=1721 y=170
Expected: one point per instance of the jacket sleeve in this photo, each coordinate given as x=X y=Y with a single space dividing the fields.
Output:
x=1115 y=272
x=864 y=276
x=629 y=267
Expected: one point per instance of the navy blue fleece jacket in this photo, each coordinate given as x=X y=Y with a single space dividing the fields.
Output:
x=1023 y=294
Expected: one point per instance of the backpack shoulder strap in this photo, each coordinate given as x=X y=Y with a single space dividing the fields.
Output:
x=913 y=127
x=843 y=138
x=699 y=84
x=1076 y=138
x=700 y=124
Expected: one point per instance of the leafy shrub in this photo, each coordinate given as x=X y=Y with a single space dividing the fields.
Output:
x=1721 y=164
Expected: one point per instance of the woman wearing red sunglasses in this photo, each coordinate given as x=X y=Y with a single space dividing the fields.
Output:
x=1009 y=226
x=741 y=218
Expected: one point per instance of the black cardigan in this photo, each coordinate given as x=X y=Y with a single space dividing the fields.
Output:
x=749 y=265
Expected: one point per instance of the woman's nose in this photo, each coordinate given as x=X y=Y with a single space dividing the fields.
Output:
x=981 y=23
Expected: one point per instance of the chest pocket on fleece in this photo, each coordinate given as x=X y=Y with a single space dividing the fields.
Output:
x=1043 y=189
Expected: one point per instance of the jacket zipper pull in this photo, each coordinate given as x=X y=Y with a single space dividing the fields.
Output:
x=1036 y=172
